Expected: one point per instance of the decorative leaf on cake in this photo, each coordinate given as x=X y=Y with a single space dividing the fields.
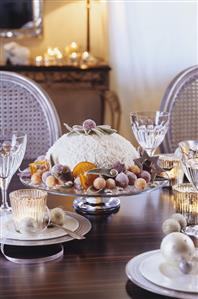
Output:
x=89 y=127
x=97 y=132
x=68 y=127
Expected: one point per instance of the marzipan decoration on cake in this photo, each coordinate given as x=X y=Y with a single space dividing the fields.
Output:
x=89 y=127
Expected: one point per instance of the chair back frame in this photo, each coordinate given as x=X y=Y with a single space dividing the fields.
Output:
x=15 y=87
x=183 y=80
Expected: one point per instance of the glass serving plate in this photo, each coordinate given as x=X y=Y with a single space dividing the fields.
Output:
x=88 y=202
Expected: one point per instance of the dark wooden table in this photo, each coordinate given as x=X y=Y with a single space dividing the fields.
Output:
x=94 y=268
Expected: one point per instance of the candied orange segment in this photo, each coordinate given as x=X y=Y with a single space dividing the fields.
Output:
x=83 y=167
x=83 y=181
x=87 y=180
x=43 y=165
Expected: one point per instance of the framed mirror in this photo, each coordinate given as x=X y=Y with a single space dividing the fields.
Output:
x=21 y=18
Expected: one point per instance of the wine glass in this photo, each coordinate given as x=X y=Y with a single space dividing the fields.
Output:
x=12 y=151
x=149 y=129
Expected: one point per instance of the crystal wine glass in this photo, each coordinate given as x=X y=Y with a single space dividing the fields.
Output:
x=12 y=151
x=149 y=129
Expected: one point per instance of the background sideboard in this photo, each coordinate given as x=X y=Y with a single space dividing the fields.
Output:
x=77 y=93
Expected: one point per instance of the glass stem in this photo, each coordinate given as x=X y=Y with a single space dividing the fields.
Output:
x=4 y=205
x=150 y=152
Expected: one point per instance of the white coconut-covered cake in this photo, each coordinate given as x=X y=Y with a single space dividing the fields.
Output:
x=100 y=145
x=91 y=159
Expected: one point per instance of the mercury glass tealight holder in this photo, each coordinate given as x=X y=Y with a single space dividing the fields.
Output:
x=173 y=170
x=29 y=207
x=189 y=154
x=186 y=203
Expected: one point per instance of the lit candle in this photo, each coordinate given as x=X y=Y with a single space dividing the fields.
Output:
x=49 y=57
x=58 y=53
x=50 y=51
x=39 y=60
x=69 y=49
x=74 y=47
x=85 y=56
x=73 y=57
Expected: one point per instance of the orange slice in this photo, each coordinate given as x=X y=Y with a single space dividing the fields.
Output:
x=83 y=167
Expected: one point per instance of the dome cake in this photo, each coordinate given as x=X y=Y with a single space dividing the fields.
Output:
x=100 y=145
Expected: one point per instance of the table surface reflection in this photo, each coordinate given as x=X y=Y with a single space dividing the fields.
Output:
x=94 y=267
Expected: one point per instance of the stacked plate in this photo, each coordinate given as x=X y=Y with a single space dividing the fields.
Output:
x=47 y=245
x=52 y=235
x=150 y=271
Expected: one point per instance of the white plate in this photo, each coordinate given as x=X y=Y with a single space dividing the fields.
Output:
x=84 y=227
x=134 y=274
x=157 y=270
x=8 y=230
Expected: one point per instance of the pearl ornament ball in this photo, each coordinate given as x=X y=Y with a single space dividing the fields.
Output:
x=170 y=225
x=181 y=219
x=57 y=216
x=175 y=246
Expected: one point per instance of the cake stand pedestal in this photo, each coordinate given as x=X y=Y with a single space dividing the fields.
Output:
x=96 y=205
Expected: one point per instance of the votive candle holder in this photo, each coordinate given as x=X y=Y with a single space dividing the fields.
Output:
x=29 y=208
x=173 y=170
x=186 y=202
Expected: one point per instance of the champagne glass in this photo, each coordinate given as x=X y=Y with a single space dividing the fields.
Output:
x=12 y=151
x=149 y=129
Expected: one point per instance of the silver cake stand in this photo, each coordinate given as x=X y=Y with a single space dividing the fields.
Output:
x=103 y=202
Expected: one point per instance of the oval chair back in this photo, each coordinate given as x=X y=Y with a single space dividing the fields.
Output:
x=26 y=107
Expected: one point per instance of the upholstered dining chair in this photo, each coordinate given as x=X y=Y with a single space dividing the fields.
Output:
x=26 y=107
x=181 y=100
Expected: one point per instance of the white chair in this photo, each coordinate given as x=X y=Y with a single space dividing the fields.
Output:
x=26 y=107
